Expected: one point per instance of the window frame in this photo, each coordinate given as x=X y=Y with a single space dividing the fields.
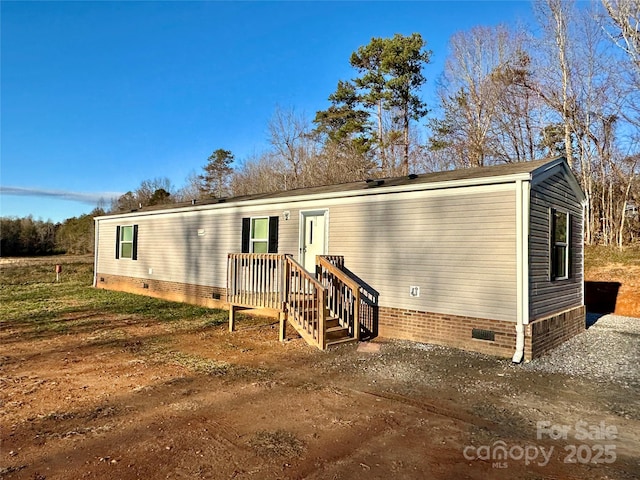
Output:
x=556 y=245
x=253 y=241
x=246 y=245
x=120 y=242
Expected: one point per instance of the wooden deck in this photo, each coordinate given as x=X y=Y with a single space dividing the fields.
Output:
x=323 y=310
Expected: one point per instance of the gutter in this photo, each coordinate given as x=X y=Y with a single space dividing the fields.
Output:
x=361 y=192
x=522 y=265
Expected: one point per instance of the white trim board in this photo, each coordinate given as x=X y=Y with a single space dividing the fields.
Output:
x=315 y=202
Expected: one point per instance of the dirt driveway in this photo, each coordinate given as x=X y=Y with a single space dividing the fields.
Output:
x=123 y=397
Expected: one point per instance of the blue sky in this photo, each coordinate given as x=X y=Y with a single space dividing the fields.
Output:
x=98 y=96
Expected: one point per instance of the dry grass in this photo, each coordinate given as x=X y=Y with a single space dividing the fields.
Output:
x=278 y=443
x=596 y=256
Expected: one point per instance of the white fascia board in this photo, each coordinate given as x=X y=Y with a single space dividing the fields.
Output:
x=279 y=201
x=547 y=170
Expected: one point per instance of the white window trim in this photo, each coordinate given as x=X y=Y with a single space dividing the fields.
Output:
x=562 y=244
x=257 y=240
x=122 y=242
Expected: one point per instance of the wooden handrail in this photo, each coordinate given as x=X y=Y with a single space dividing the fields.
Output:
x=302 y=270
x=306 y=303
x=281 y=283
x=350 y=319
x=330 y=267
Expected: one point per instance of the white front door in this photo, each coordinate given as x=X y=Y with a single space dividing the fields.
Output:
x=313 y=239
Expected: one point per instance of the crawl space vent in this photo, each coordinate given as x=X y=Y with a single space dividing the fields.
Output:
x=481 y=334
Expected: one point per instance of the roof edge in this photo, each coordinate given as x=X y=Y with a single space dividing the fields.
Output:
x=500 y=179
x=550 y=168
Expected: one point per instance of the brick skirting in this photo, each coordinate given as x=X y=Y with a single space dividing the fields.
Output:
x=212 y=297
x=541 y=335
x=456 y=331
x=449 y=330
x=547 y=333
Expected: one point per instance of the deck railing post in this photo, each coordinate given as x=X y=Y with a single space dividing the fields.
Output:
x=232 y=318
x=286 y=283
x=322 y=316
x=283 y=326
x=279 y=282
x=356 y=315
x=344 y=296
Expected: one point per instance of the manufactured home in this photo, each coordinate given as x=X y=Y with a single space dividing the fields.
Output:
x=488 y=259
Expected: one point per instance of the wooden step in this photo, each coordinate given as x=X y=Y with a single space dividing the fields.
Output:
x=332 y=322
x=336 y=333
x=337 y=328
x=340 y=341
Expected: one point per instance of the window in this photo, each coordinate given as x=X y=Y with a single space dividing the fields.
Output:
x=127 y=241
x=560 y=240
x=260 y=235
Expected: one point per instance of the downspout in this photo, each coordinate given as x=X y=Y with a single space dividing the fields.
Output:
x=522 y=266
x=95 y=252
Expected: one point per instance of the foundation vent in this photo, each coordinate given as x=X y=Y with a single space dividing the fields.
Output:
x=481 y=334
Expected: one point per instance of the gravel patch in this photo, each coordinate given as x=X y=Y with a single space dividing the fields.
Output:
x=404 y=364
x=608 y=350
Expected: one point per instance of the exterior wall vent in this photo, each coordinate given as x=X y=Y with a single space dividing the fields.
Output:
x=374 y=183
x=215 y=296
x=145 y=285
x=481 y=334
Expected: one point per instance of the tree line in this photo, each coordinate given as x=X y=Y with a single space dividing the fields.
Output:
x=568 y=85
x=29 y=237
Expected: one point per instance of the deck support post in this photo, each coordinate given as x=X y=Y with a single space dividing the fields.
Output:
x=232 y=318
x=356 y=315
x=283 y=326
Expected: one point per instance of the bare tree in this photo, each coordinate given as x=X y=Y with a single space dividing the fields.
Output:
x=145 y=192
x=290 y=135
x=264 y=173
x=478 y=97
x=586 y=86
x=557 y=13
x=190 y=190
x=623 y=26
x=625 y=16
x=150 y=192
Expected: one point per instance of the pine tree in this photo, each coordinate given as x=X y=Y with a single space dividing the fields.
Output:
x=217 y=172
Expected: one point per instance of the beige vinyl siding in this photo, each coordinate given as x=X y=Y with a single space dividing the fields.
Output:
x=548 y=297
x=460 y=250
x=169 y=244
x=458 y=245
